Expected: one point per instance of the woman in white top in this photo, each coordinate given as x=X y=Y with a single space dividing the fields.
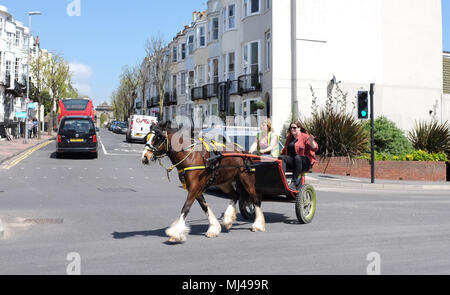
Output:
x=266 y=142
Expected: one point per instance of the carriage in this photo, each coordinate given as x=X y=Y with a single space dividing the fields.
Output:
x=271 y=180
x=200 y=165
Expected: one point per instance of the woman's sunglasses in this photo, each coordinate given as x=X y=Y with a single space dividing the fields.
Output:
x=294 y=128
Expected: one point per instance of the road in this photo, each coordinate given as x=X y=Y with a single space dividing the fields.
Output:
x=113 y=211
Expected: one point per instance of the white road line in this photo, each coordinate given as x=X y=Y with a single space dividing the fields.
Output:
x=103 y=146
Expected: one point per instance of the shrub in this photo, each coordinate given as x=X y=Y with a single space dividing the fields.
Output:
x=338 y=134
x=388 y=138
x=433 y=137
x=418 y=155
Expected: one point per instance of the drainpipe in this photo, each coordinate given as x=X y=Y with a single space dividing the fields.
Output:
x=295 y=111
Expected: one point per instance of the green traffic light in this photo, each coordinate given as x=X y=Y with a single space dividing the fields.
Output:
x=364 y=114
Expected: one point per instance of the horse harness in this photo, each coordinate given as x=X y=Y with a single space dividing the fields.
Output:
x=211 y=163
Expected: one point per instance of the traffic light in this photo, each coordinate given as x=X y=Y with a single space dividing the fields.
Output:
x=363 y=105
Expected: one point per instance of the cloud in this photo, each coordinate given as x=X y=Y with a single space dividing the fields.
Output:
x=81 y=75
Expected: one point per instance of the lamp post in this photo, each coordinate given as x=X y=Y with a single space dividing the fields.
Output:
x=31 y=13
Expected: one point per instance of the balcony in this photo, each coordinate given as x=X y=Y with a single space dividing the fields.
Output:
x=5 y=80
x=139 y=105
x=210 y=90
x=249 y=83
x=170 y=98
x=155 y=101
x=196 y=93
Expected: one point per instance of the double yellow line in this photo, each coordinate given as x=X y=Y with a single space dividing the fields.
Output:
x=26 y=155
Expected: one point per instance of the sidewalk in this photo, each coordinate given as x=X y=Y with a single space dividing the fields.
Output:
x=10 y=149
x=327 y=180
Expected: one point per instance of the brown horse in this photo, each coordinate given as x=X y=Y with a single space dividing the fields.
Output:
x=192 y=160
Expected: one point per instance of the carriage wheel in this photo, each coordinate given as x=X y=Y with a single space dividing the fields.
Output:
x=305 y=204
x=247 y=209
x=246 y=206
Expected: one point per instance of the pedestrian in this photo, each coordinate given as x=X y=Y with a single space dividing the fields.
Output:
x=29 y=127
x=299 y=153
x=35 y=127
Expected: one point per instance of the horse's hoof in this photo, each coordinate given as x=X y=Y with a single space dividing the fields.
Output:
x=211 y=235
x=258 y=229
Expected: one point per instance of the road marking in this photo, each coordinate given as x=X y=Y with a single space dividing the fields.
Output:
x=103 y=146
x=26 y=155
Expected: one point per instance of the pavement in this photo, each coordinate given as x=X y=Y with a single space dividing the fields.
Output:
x=11 y=149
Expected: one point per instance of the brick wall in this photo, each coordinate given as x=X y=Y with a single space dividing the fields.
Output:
x=393 y=170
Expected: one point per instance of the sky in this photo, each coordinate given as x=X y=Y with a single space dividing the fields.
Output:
x=99 y=37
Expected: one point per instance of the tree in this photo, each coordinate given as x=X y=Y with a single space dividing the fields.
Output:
x=159 y=64
x=58 y=81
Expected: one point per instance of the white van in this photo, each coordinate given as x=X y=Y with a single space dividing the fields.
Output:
x=139 y=127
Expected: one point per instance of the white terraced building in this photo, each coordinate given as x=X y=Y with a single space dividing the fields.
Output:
x=277 y=51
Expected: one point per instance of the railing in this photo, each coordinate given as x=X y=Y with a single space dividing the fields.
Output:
x=170 y=98
x=155 y=101
x=139 y=105
x=5 y=80
x=196 y=93
x=249 y=83
x=210 y=90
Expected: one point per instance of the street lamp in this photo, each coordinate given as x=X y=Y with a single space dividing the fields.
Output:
x=31 y=13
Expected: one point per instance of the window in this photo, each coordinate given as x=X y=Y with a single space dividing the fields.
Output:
x=201 y=37
x=214 y=110
x=183 y=83
x=201 y=75
x=191 y=81
x=9 y=40
x=174 y=83
x=255 y=6
x=183 y=51
x=16 y=69
x=267 y=4
x=250 y=7
x=231 y=14
x=190 y=44
x=214 y=29
x=1 y=26
x=17 y=41
x=251 y=58
x=8 y=68
x=213 y=70
x=174 y=54
x=268 y=56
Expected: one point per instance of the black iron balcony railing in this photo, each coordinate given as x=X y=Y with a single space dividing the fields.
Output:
x=139 y=105
x=7 y=83
x=210 y=90
x=249 y=83
x=196 y=93
x=154 y=101
x=170 y=98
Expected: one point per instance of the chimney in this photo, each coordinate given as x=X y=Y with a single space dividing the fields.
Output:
x=194 y=16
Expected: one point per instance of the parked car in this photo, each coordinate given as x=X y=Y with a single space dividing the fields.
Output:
x=76 y=134
x=121 y=128
x=139 y=127
x=112 y=125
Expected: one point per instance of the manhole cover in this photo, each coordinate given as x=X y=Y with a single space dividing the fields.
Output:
x=117 y=190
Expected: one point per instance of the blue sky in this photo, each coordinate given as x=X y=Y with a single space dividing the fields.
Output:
x=109 y=34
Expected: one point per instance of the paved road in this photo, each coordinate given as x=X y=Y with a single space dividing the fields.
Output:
x=113 y=212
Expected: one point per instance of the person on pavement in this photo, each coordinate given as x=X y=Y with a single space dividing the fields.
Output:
x=299 y=152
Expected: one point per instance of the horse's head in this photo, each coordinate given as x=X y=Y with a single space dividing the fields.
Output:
x=157 y=144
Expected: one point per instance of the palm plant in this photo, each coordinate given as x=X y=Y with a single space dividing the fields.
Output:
x=339 y=134
x=433 y=137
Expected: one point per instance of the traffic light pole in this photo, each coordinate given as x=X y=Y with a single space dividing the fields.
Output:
x=372 y=138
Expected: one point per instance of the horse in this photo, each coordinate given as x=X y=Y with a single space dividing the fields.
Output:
x=191 y=157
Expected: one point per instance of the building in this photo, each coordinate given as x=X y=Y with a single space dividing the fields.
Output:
x=106 y=111
x=278 y=52
x=14 y=40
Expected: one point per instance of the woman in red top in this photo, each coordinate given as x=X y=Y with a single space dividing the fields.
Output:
x=299 y=152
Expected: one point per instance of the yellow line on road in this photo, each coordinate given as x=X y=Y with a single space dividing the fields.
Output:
x=26 y=155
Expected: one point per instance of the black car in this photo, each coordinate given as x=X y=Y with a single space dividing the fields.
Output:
x=77 y=135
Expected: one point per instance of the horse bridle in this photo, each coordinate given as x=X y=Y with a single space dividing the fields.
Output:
x=157 y=154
